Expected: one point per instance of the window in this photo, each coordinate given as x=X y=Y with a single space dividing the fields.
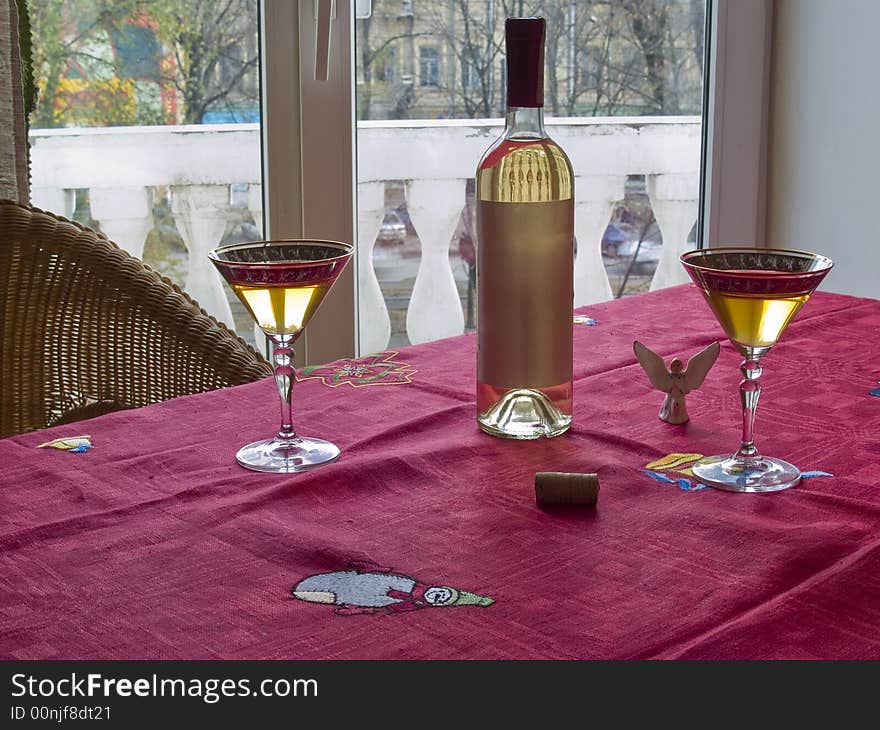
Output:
x=407 y=141
x=634 y=210
x=470 y=71
x=383 y=299
x=429 y=66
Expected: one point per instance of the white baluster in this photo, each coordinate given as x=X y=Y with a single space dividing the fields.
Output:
x=255 y=205
x=56 y=200
x=434 y=308
x=125 y=216
x=595 y=196
x=674 y=199
x=200 y=212
x=374 y=324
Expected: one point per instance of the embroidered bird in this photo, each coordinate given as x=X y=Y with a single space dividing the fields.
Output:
x=368 y=588
x=678 y=380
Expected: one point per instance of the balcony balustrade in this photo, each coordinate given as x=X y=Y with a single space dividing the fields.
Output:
x=201 y=166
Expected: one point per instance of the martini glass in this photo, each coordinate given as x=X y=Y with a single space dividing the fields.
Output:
x=282 y=284
x=754 y=293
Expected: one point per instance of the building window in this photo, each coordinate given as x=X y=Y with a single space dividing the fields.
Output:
x=429 y=66
x=470 y=76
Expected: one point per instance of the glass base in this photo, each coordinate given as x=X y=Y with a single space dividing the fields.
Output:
x=524 y=414
x=764 y=474
x=284 y=457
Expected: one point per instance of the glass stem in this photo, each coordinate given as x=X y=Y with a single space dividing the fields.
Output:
x=749 y=392
x=285 y=375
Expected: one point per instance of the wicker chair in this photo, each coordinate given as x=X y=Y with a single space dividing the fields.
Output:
x=85 y=328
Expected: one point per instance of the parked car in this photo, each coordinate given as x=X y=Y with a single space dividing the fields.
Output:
x=647 y=256
x=393 y=230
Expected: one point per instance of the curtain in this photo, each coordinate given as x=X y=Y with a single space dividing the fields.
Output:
x=13 y=132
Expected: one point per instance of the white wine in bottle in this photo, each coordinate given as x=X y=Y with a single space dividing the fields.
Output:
x=525 y=259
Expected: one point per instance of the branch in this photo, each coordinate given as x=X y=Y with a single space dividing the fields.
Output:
x=388 y=42
x=243 y=69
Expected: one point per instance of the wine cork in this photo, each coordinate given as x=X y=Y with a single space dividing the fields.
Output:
x=560 y=489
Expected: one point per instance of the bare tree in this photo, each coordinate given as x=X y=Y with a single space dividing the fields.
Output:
x=470 y=35
x=209 y=42
x=648 y=20
x=698 y=24
x=212 y=43
x=602 y=57
x=368 y=55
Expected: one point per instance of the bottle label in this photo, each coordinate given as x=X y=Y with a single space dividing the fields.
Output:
x=525 y=293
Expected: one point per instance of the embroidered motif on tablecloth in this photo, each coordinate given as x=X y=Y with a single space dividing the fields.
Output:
x=366 y=588
x=584 y=320
x=875 y=391
x=677 y=464
x=680 y=464
x=73 y=444
x=378 y=369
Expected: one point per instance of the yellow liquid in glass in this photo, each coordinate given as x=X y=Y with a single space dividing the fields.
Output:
x=282 y=310
x=756 y=320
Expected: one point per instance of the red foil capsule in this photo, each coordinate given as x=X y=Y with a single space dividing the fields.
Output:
x=524 y=39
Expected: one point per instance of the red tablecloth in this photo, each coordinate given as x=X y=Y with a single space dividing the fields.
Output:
x=155 y=544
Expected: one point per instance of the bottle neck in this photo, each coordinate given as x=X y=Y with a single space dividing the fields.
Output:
x=524 y=122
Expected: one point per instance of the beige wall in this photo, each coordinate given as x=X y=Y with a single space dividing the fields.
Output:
x=824 y=144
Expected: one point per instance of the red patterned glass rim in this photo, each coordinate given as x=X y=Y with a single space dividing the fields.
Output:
x=759 y=271
x=282 y=262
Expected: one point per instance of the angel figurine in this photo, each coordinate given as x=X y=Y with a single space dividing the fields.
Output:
x=677 y=381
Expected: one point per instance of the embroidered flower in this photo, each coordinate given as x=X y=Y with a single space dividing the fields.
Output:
x=378 y=369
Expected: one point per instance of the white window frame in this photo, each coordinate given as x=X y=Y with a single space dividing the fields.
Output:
x=738 y=103
x=309 y=141
x=429 y=80
x=308 y=153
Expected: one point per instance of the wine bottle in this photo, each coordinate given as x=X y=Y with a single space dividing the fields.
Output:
x=525 y=259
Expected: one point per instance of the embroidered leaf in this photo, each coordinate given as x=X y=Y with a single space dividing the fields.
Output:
x=672 y=461
x=685 y=485
x=809 y=474
x=658 y=477
x=75 y=444
x=876 y=392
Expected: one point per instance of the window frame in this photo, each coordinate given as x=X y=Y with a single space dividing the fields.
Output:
x=308 y=153
x=431 y=60
x=737 y=118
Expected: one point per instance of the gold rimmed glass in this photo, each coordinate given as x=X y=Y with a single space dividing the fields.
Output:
x=282 y=284
x=754 y=293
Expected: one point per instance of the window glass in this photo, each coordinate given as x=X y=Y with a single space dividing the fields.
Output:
x=623 y=96
x=147 y=128
x=429 y=66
